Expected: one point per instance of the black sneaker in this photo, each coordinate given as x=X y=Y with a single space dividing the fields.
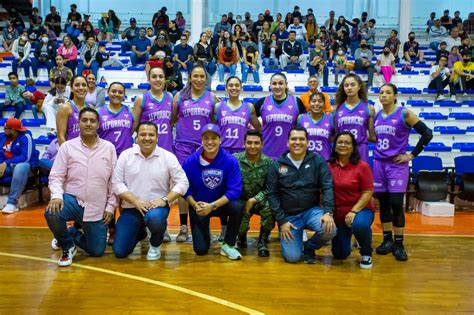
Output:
x=309 y=256
x=366 y=262
x=242 y=242
x=400 y=253
x=385 y=248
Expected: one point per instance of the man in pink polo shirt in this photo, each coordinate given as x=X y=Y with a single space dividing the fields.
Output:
x=81 y=190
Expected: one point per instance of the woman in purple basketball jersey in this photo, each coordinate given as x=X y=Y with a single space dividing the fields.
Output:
x=392 y=129
x=320 y=126
x=233 y=117
x=279 y=113
x=116 y=119
x=193 y=108
x=352 y=113
x=155 y=105
x=67 y=117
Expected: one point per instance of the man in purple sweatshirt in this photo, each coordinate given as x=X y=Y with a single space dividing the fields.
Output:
x=215 y=185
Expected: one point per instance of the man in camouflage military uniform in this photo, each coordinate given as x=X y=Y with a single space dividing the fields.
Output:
x=254 y=167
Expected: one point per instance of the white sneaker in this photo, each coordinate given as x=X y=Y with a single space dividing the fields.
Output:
x=54 y=244
x=9 y=208
x=453 y=98
x=67 y=256
x=464 y=95
x=231 y=252
x=154 y=253
x=366 y=262
x=441 y=98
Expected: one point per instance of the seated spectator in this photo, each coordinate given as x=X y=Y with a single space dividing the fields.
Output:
x=411 y=50
x=363 y=61
x=368 y=33
x=158 y=52
x=239 y=22
x=442 y=51
x=95 y=96
x=441 y=77
x=59 y=71
x=88 y=55
x=17 y=21
x=318 y=62
x=292 y=53
x=238 y=37
x=129 y=34
x=36 y=24
x=453 y=57
x=341 y=25
x=115 y=22
x=59 y=94
x=140 y=48
x=45 y=54
x=104 y=60
x=313 y=85
x=150 y=34
x=74 y=18
x=18 y=158
x=21 y=51
x=180 y=21
x=69 y=52
x=183 y=55
x=354 y=208
x=204 y=53
x=53 y=21
x=35 y=98
x=89 y=31
x=446 y=20
x=340 y=64
x=174 y=79
x=74 y=31
x=226 y=60
x=257 y=26
x=453 y=39
x=456 y=20
x=10 y=34
x=281 y=33
x=13 y=96
x=274 y=25
x=248 y=21
x=463 y=73
x=430 y=22
x=106 y=28
x=249 y=64
x=468 y=26
x=160 y=20
x=436 y=34
x=461 y=33
x=271 y=53
x=86 y=21
x=354 y=36
x=47 y=160
x=311 y=28
x=263 y=37
x=300 y=31
x=386 y=64
x=393 y=43
x=174 y=33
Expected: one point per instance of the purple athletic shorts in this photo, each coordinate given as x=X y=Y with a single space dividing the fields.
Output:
x=183 y=150
x=363 y=151
x=390 y=176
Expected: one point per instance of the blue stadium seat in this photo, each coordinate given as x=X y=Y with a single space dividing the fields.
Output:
x=253 y=88
x=433 y=116
x=425 y=163
x=435 y=147
x=462 y=116
x=464 y=146
x=33 y=122
x=42 y=83
x=408 y=72
x=250 y=99
x=4 y=65
x=9 y=58
x=449 y=130
x=301 y=89
x=43 y=140
x=113 y=68
x=420 y=103
x=295 y=71
x=144 y=86
x=470 y=129
x=463 y=164
x=329 y=89
x=448 y=103
x=220 y=87
x=136 y=68
x=125 y=54
x=2 y=94
x=267 y=70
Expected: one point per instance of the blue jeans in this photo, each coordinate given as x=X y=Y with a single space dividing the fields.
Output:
x=126 y=45
x=25 y=65
x=45 y=166
x=270 y=61
x=35 y=63
x=354 y=45
x=245 y=72
x=189 y=66
x=94 y=67
x=19 y=109
x=311 y=218
x=221 y=70
x=362 y=230
x=93 y=241
x=200 y=226
x=19 y=174
x=210 y=67
x=134 y=59
x=131 y=228
x=434 y=46
x=314 y=71
x=72 y=64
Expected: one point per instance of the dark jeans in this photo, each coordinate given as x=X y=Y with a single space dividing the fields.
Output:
x=19 y=109
x=72 y=64
x=314 y=71
x=358 y=66
x=35 y=63
x=45 y=166
x=464 y=84
x=93 y=241
x=131 y=228
x=361 y=228
x=439 y=84
x=200 y=226
x=25 y=65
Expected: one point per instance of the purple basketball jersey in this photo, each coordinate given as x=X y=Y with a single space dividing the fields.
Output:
x=354 y=120
x=116 y=127
x=319 y=133
x=159 y=112
x=392 y=134
x=72 y=130
x=192 y=116
x=277 y=121
x=233 y=124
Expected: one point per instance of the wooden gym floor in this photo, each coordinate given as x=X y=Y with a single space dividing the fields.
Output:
x=437 y=279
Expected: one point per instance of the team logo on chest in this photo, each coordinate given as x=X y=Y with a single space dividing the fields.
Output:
x=224 y=112
x=269 y=107
x=306 y=124
x=361 y=112
x=212 y=178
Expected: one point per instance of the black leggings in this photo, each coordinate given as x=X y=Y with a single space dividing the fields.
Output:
x=391 y=208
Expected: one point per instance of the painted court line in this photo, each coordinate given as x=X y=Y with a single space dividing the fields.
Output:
x=203 y=296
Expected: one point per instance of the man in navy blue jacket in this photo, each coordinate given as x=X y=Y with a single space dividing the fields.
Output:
x=215 y=185
x=17 y=157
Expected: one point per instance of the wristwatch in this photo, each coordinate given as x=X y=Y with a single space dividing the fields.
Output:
x=165 y=199
x=213 y=206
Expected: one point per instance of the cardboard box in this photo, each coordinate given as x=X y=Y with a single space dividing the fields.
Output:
x=437 y=209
